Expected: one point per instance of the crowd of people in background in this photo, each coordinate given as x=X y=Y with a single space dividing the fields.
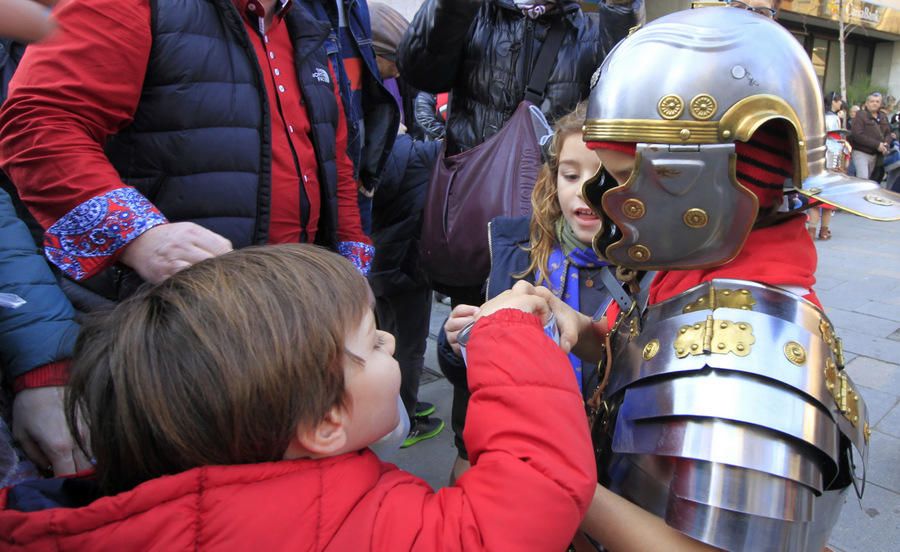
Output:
x=210 y=226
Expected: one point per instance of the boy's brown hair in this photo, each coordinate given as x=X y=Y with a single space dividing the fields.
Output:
x=219 y=364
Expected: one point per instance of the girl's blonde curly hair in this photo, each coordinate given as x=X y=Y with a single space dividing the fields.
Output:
x=544 y=202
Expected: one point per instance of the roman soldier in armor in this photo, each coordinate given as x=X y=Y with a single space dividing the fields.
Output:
x=727 y=411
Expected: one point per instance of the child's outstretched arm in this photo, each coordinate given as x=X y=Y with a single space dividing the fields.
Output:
x=620 y=525
x=533 y=471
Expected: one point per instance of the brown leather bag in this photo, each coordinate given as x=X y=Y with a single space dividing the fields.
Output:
x=492 y=179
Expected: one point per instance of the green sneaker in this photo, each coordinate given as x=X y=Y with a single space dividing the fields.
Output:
x=422 y=429
x=424 y=409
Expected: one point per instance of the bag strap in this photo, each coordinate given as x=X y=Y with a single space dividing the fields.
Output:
x=534 y=92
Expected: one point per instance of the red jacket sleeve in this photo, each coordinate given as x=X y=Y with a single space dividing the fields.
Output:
x=67 y=97
x=533 y=472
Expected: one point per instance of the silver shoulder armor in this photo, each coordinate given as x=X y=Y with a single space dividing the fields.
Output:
x=729 y=415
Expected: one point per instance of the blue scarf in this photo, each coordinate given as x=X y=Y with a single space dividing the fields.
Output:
x=563 y=282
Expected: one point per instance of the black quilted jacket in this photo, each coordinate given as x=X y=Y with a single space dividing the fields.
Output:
x=484 y=51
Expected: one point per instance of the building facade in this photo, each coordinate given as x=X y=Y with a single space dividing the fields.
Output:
x=872 y=45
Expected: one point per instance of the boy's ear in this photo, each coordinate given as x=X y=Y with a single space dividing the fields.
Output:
x=328 y=437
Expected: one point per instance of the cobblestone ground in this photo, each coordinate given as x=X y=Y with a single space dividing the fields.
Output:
x=859 y=284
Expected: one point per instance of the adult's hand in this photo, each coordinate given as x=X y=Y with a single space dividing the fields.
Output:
x=39 y=425
x=165 y=249
x=24 y=20
x=460 y=317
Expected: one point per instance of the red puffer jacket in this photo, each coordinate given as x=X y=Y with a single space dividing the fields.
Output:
x=530 y=484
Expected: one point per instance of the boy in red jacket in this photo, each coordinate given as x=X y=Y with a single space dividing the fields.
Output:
x=232 y=407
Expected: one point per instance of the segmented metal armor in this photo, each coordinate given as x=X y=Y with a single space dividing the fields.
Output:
x=729 y=415
x=727 y=411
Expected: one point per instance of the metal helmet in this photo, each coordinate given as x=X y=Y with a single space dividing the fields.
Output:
x=684 y=89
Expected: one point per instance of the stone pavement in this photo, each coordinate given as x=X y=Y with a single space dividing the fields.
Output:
x=859 y=284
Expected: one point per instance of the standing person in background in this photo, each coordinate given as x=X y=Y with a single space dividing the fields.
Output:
x=835 y=160
x=869 y=135
x=134 y=182
x=36 y=341
x=388 y=26
x=371 y=114
x=851 y=114
x=483 y=53
x=37 y=321
x=402 y=292
x=431 y=114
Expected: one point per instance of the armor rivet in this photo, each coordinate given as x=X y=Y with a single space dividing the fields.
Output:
x=696 y=326
x=680 y=352
x=721 y=346
x=745 y=292
x=867 y=432
x=695 y=218
x=650 y=349
x=745 y=307
x=684 y=134
x=738 y=72
x=742 y=326
x=703 y=107
x=855 y=419
x=740 y=347
x=683 y=330
x=726 y=292
x=694 y=347
x=670 y=107
x=878 y=200
x=639 y=253
x=633 y=208
x=795 y=352
x=726 y=134
x=723 y=325
x=800 y=143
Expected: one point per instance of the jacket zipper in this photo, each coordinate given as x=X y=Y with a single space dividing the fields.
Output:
x=529 y=30
x=487 y=286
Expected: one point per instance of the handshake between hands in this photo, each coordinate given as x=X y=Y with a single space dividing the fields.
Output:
x=577 y=332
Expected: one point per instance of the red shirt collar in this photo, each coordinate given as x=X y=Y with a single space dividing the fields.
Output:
x=244 y=8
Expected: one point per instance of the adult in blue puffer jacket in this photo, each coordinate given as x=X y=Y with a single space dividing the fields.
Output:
x=370 y=130
x=142 y=157
x=36 y=341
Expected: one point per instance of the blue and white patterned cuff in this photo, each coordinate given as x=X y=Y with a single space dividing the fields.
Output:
x=358 y=253
x=88 y=238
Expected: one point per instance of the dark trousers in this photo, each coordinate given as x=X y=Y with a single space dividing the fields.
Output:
x=407 y=316
x=461 y=296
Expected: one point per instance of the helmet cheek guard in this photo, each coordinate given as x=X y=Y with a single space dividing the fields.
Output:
x=705 y=225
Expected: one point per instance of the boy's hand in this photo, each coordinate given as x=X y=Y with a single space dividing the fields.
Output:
x=522 y=296
x=460 y=317
x=577 y=332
